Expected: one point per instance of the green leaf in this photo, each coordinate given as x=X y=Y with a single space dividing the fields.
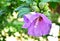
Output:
x=53 y=5
x=23 y=11
x=45 y=0
x=55 y=0
x=28 y=1
x=1 y=12
x=23 y=0
x=50 y=0
x=22 y=6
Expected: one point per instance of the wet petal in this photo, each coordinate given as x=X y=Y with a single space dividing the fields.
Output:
x=26 y=25
x=45 y=19
x=27 y=22
x=37 y=24
x=31 y=17
x=34 y=30
x=45 y=27
x=31 y=29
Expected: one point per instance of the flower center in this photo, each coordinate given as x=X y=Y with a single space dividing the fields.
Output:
x=40 y=18
x=37 y=21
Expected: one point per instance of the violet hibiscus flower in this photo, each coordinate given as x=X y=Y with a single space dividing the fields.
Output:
x=37 y=24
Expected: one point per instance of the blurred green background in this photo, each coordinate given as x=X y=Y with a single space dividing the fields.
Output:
x=11 y=16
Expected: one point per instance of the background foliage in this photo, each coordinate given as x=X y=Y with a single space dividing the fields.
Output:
x=11 y=12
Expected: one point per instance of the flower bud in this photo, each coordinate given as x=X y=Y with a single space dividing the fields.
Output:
x=41 y=5
x=34 y=4
x=35 y=8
